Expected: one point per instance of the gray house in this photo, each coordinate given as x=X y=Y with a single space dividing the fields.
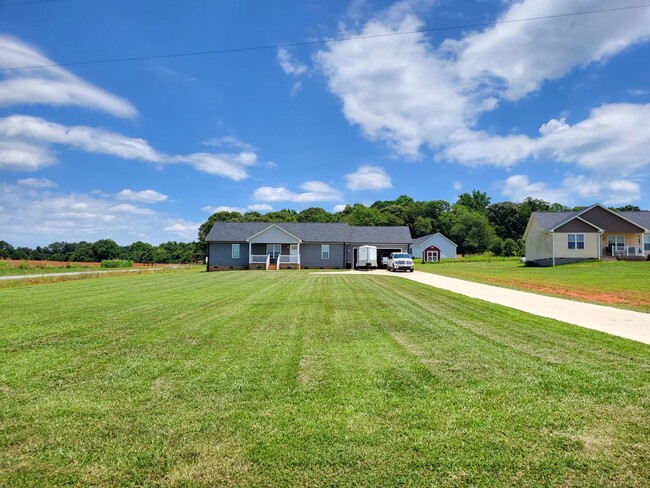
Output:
x=433 y=245
x=264 y=245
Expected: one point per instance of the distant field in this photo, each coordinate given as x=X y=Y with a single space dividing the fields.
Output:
x=292 y=379
x=622 y=284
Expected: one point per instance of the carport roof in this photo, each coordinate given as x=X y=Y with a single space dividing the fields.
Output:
x=312 y=232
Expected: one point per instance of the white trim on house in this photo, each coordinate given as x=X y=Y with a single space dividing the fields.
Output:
x=252 y=238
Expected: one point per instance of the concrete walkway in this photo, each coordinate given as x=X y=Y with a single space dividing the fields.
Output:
x=615 y=321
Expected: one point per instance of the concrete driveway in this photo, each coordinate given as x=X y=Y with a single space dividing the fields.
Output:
x=615 y=321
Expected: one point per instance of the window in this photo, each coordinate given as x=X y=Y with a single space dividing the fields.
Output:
x=617 y=243
x=325 y=251
x=646 y=243
x=274 y=250
x=576 y=241
x=234 y=252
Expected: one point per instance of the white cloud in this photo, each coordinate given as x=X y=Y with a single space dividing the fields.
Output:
x=408 y=92
x=144 y=196
x=368 y=178
x=256 y=207
x=36 y=182
x=229 y=141
x=339 y=208
x=289 y=65
x=613 y=139
x=517 y=57
x=457 y=185
x=260 y=207
x=37 y=216
x=573 y=190
x=24 y=144
x=24 y=156
x=50 y=85
x=315 y=191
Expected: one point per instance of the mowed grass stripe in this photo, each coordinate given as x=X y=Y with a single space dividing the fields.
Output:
x=290 y=378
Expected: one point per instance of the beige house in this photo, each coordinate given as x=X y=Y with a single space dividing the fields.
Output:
x=593 y=233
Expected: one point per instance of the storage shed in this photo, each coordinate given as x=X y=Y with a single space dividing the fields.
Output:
x=431 y=254
x=446 y=248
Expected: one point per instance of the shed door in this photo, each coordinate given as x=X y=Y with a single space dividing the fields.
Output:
x=432 y=256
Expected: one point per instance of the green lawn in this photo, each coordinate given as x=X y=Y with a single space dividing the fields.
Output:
x=293 y=379
x=33 y=270
x=622 y=284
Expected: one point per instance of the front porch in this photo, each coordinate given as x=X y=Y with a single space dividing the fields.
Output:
x=272 y=249
x=271 y=262
x=630 y=246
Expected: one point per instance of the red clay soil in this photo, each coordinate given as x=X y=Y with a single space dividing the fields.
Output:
x=605 y=298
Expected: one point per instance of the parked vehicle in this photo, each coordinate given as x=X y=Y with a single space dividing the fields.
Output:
x=367 y=257
x=400 y=261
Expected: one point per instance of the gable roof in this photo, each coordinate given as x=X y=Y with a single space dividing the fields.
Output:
x=641 y=218
x=421 y=240
x=550 y=221
x=310 y=232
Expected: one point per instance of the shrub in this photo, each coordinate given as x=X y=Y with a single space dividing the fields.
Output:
x=117 y=263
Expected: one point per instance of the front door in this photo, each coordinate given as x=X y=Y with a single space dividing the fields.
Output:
x=274 y=251
x=293 y=249
x=616 y=244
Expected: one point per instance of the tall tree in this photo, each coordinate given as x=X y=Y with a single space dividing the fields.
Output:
x=477 y=200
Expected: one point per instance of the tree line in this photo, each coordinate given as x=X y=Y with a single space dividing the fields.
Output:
x=103 y=249
x=474 y=223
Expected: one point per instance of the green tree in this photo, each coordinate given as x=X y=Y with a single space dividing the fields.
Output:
x=6 y=250
x=477 y=201
x=423 y=226
x=507 y=220
x=359 y=214
x=470 y=230
x=105 y=249
x=314 y=214
x=205 y=227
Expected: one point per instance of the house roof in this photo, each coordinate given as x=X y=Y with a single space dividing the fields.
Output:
x=421 y=240
x=641 y=218
x=380 y=234
x=553 y=220
x=311 y=232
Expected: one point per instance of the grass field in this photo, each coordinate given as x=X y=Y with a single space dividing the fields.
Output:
x=623 y=284
x=287 y=378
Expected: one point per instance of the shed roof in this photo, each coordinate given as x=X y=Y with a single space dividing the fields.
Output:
x=421 y=240
x=311 y=232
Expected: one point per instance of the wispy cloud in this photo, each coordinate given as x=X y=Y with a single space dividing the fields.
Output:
x=144 y=196
x=25 y=141
x=36 y=182
x=314 y=191
x=50 y=85
x=37 y=216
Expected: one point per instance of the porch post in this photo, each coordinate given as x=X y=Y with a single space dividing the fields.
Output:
x=600 y=246
x=250 y=251
x=553 y=246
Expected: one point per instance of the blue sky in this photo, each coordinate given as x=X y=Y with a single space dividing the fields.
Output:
x=555 y=108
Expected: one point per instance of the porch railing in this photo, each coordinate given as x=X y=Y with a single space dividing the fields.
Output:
x=260 y=259
x=625 y=251
x=289 y=259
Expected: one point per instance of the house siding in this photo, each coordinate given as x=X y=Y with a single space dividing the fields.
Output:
x=562 y=246
x=538 y=243
x=220 y=254
x=447 y=249
x=576 y=225
x=610 y=222
x=274 y=235
x=310 y=256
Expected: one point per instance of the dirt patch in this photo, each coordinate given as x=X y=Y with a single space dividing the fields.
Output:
x=604 y=298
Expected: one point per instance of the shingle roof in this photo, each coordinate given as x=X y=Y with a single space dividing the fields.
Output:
x=550 y=220
x=641 y=218
x=421 y=240
x=381 y=235
x=311 y=232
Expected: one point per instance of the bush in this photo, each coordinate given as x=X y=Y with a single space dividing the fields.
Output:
x=117 y=263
